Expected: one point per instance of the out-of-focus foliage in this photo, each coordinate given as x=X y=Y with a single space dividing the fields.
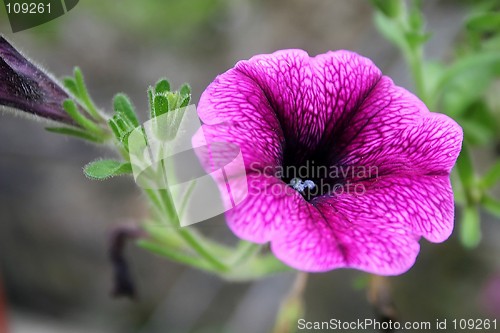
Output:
x=172 y=19
x=464 y=87
x=467 y=87
x=169 y=18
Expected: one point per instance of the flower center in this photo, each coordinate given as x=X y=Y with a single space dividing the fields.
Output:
x=312 y=178
x=301 y=186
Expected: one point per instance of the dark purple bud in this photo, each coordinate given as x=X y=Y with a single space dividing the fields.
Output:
x=123 y=284
x=25 y=87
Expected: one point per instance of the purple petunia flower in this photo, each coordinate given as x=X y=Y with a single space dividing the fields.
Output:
x=375 y=161
x=25 y=87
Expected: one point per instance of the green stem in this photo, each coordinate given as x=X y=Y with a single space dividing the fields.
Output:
x=71 y=108
x=156 y=202
x=256 y=268
x=244 y=265
x=186 y=197
x=245 y=251
x=186 y=245
x=203 y=251
x=462 y=65
x=292 y=307
x=166 y=209
x=414 y=56
x=177 y=256
x=415 y=62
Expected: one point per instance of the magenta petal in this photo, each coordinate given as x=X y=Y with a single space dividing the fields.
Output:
x=336 y=110
x=234 y=98
x=308 y=94
x=270 y=203
x=286 y=78
x=321 y=239
x=289 y=93
x=235 y=110
x=422 y=205
x=394 y=131
x=377 y=231
x=260 y=149
x=343 y=81
x=327 y=234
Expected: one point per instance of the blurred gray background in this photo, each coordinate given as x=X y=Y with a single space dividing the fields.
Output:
x=55 y=223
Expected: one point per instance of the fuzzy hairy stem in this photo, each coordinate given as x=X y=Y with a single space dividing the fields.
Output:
x=292 y=306
x=379 y=295
x=3 y=310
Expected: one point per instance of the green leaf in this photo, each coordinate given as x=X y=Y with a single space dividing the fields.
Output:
x=416 y=19
x=470 y=231
x=79 y=81
x=432 y=72
x=72 y=109
x=124 y=139
x=416 y=39
x=121 y=129
x=162 y=86
x=114 y=127
x=492 y=43
x=481 y=112
x=460 y=95
x=484 y=22
x=162 y=100
x=476 y=133
x=479 y=123
x=458 y=188
x=172 y=98
x=150 y=99
x=184 y=101
x=391 y=31
x=491 y=177
x=125 y=109
x=70 y=84
x=172 y=123
x=122 y=125
x=465 y=168
x=104 y=169
x=485 y=62
x=84 y=95
x=390 y=8
x=492 y=205
x=185 y=90
x=160 y=105
x=75 y=133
